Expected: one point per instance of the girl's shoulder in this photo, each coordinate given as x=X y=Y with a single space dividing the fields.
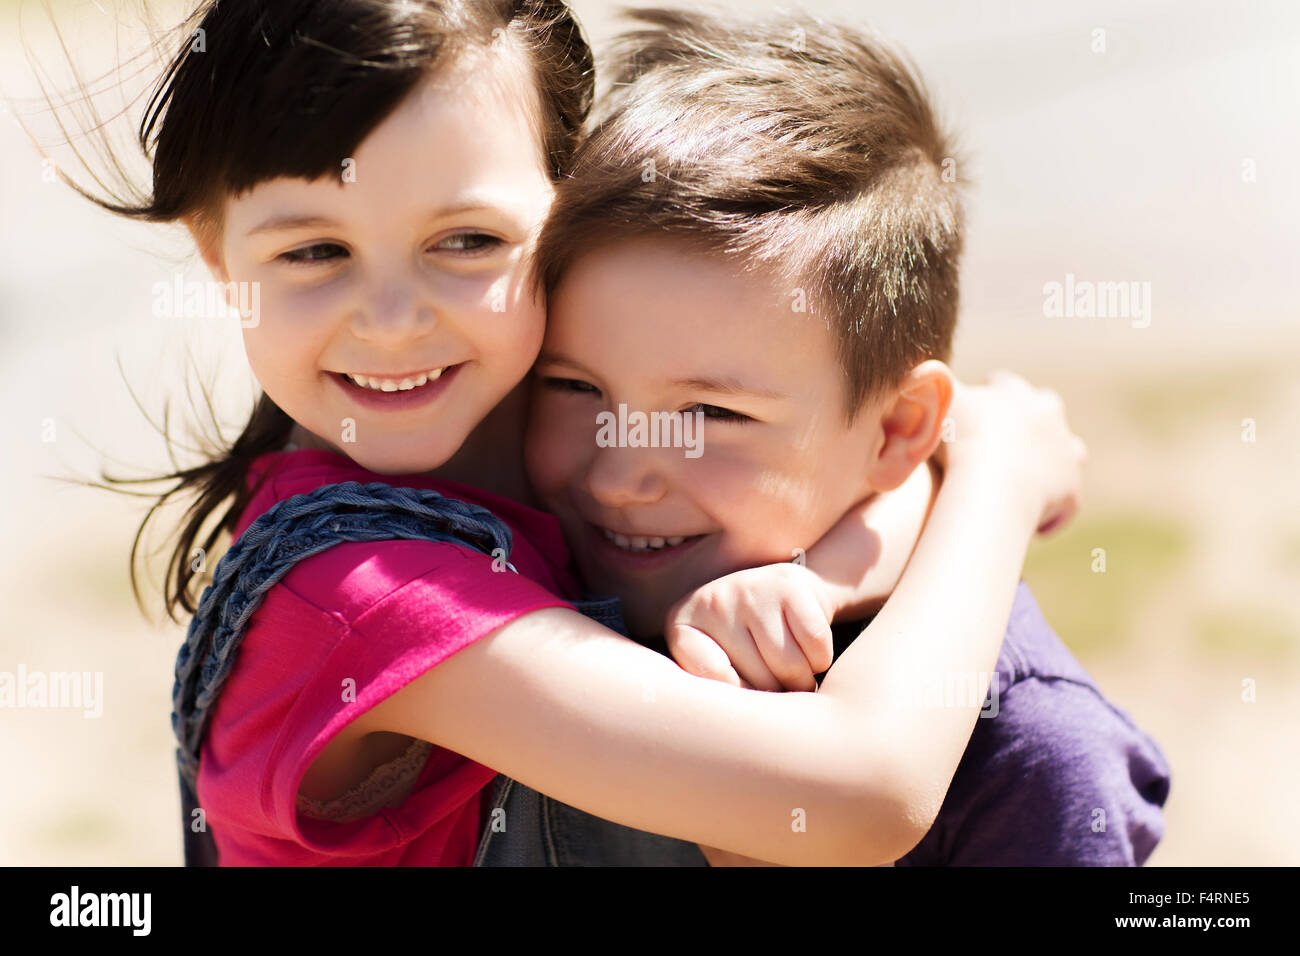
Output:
x=369 y=615
x=278 y=475
x=538 y=548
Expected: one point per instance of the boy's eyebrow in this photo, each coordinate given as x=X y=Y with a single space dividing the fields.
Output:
x=724 y=385
x=277 y=223
x=545 y=356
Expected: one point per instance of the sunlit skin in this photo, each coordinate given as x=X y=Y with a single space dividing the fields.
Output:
x=659 y=326
x=418 y=264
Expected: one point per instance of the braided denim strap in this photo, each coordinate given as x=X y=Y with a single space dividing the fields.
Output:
x=273 y=544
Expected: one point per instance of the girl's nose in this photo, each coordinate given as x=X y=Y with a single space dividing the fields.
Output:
x=618 y=477
x=392 y=310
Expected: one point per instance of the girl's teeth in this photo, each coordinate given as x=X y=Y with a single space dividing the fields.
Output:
x=393 y=385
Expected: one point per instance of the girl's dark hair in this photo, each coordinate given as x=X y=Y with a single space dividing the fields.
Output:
x=291 y=88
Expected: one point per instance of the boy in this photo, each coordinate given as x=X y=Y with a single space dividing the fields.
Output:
x=759 y=231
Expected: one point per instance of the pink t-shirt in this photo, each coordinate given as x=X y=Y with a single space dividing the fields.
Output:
x=380 y=614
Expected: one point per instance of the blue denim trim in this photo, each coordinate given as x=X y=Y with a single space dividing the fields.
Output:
x=291 y=530
x=539 y=831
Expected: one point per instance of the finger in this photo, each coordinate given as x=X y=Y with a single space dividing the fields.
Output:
x=731 y=635
x=697 y=653
x=1062 y=516
x=812 y=631
x=781 y=654
x=1049 y=526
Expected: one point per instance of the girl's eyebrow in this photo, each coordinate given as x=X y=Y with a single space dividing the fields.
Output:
x=279 y=223
x=291 y=221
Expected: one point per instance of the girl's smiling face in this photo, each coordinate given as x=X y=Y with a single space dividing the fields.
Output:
x=409 y=266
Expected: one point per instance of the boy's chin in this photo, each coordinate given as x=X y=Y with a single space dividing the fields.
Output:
x=644 y=619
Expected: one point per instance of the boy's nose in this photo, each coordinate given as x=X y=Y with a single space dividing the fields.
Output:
x=391 y=310
x=618 y=477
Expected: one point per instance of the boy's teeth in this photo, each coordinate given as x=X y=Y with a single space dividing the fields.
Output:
x=641 y=542
x=392 y=384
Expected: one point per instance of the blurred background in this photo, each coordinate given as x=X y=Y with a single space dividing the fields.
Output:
x=1133 y=142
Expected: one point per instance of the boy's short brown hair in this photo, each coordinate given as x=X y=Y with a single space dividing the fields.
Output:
x=794 y=144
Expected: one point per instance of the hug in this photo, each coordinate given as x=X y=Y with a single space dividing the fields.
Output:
x=457 y=626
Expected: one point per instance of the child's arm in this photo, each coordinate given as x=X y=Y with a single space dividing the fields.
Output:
x=860 y=560
x=843 y=776
x=769 y=627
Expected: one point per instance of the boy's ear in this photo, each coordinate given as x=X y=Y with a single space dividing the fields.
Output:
x=912 y=424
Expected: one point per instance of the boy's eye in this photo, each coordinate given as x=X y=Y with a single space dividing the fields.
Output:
x=719 y=414
x=319 y=252
x=572 y=385
x=469 y=242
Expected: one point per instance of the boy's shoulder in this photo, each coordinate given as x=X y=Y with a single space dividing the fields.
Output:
x=1054 y=774
x=1031 y=650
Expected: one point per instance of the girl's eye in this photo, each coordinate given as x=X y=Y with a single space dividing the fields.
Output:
x=469 y=242
x=320 y=252
x=719 y=414
x=571 y=385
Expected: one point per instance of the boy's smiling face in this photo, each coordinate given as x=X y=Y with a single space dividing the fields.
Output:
x=658 y=326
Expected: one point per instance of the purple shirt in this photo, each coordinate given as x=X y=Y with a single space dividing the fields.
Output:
x=1059 y=777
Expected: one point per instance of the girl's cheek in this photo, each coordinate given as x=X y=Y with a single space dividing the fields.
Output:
x=283 y=336
x=516 y=330
x=299 y=315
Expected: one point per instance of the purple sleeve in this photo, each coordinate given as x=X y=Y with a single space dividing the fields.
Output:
x=1059 y=777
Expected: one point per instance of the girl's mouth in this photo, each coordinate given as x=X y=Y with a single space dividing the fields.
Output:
x=396 y=393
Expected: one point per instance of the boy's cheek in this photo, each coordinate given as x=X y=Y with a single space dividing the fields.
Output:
x=553 y=447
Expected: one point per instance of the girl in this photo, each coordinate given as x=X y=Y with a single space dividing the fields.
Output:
x=381 y=170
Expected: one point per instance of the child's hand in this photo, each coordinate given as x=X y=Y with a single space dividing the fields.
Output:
x=767 y=628
x=1020 y=432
